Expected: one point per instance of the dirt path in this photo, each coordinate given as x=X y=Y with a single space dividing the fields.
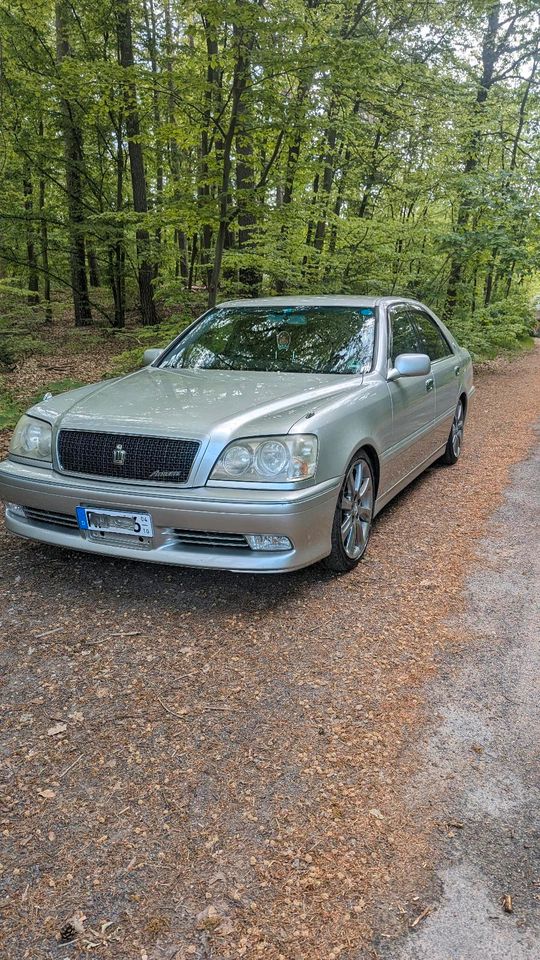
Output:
x=234 y=777
x=482 y=769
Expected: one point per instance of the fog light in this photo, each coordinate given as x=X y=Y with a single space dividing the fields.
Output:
x=268 y=541
x=15 y=508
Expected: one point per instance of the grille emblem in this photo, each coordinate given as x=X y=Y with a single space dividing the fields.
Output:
x=119 y=455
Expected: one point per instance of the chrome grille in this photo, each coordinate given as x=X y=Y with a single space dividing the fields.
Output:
x=48 y=516
x=202 y=538
x=126 y=456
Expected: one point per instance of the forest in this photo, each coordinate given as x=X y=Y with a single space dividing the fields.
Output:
x=157 y=156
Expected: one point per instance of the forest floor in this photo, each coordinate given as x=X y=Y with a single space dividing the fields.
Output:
x=209 y=765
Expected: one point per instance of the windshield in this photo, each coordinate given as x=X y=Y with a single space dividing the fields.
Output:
x=317 y=339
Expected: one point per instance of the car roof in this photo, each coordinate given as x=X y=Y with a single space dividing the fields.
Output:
x=329 y=300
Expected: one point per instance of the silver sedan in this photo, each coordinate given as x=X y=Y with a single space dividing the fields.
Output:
x=266 y=437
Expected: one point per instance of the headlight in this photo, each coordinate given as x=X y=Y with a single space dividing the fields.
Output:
x=32 y=439
x=268 y=459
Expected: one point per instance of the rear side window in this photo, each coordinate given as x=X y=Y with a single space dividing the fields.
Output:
x=404 y=335
x=432 y=340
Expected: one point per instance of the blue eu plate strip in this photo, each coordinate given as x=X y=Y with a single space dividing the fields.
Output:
x=81 y=518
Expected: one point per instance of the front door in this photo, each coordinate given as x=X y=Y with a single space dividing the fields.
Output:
x=445 y=369
x=413 y=402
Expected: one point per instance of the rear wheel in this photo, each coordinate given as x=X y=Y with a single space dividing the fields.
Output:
x=455 y=440
x=353 y=517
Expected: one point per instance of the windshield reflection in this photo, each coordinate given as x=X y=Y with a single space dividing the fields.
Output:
x=314 y=339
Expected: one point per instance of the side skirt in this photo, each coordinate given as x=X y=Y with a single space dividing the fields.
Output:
x=398 y=487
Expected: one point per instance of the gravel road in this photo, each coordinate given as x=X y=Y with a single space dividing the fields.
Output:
x=200 y=765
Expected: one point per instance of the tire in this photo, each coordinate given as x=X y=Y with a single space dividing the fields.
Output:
x=353 y=516
x=455 y=440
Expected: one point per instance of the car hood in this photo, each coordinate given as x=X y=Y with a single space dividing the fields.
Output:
x=194 y=403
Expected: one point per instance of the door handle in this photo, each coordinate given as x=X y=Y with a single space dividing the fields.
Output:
x=457 y=368
x=429 y=384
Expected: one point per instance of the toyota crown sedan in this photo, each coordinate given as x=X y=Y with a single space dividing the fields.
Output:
x=265 y=438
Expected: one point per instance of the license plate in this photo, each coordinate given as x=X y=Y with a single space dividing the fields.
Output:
x=114 y=521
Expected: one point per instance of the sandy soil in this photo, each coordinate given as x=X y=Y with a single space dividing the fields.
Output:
x=207 y=765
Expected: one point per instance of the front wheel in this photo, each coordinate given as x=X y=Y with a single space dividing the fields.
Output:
x=353 y=517
x=455 y=440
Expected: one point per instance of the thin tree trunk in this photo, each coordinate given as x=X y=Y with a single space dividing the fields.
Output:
x=293 y=156
x=239 y=82
x=250 y=277
x=151 y=43
x=44 y=249
x=181 y=241
x=116 y=246
x=44 y=242
x=193 y=260
x=93 y=266
x=73 y=155
x=204 y=188
x=136 y=164
x=31 y=255
x=490 y=55
x=371 y=176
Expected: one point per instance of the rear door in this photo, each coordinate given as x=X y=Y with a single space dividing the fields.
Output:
x=445 y=369
x=413 y=400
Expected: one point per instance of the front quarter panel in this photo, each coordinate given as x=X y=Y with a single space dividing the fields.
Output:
x=363 y=417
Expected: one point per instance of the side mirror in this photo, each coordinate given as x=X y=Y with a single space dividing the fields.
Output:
x=410 y=365
x=150 y=356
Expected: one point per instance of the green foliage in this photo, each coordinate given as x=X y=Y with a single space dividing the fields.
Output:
x=374 y=148
x=20 y=325
x=147 y=338
x=11 y=408
x=504 y=326
x=15 y=346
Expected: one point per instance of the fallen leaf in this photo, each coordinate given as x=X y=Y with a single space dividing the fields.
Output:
x=507 y=904
x=376 y=813
x=58 y=728
x=208 y=918
x=47 y=794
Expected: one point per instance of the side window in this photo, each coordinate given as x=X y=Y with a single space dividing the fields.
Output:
x=404 y=336
x=431 y=338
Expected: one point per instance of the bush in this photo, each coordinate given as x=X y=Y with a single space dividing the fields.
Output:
x=504 y=326
x=148 y=337
x=19 y=327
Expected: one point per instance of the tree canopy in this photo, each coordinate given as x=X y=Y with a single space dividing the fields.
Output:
x=151 y=148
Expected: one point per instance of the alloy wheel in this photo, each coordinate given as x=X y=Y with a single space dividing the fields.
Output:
x=356 y=509
x=457 y=429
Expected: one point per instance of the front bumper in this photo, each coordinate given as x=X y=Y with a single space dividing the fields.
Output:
x=305 y=516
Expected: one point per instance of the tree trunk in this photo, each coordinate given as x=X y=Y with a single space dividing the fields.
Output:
x=293 y=156
x=370 y=178
x=152 y=45
x=490 y=54
x=31 y=255
x=204 y=188
x=44 y=243
x=326 y=185
x=116 y=252
x=73 y=157
x=240 y=76
x=93 y=266
x=250 y=277
x=136 y=164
